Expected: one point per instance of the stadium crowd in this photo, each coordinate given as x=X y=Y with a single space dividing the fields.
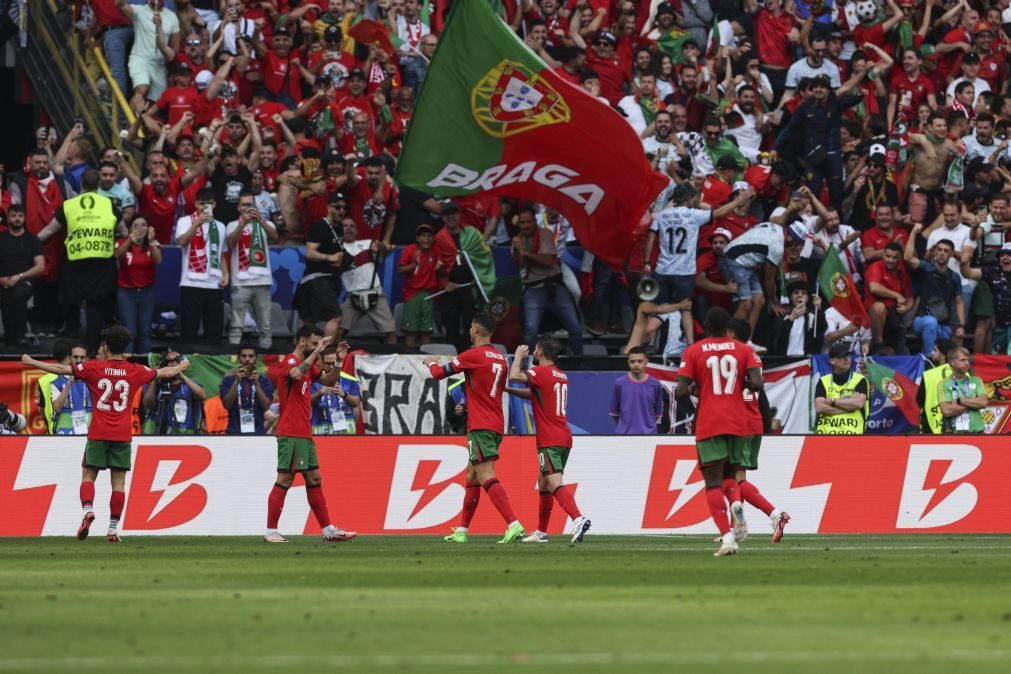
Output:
x=793 y=133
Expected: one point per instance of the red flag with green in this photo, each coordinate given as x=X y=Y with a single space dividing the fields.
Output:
x=492 y=117
x=899 y=388
x=838 y=287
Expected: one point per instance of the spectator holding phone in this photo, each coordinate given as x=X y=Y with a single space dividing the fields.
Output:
x=139 y=254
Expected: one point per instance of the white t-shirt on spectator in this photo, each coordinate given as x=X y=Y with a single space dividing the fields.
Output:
x=835 y=321
x=144 y=45
x=749 y=140
x=211 y=282
x=973 y=148
x=801 y=69
x=678 y=230
x=760 y=244
x=362 y=277
x=979 y=85
x=633 y=114
x=264 y=280
x=409 y=36
x=670 y=337
x=993 y=234
x=958 y=236
x=246 y=28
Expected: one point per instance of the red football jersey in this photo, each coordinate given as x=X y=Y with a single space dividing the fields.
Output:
x=549 y=396
x=294 y=396
x=485 y=371
x=112 y=384
x=719 y=365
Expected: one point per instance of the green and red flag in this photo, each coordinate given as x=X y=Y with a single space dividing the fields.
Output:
x=492 y=117
x=713 y=48
x=897 y=387
x=672 y=43
x=371 y=32
x=838 y=287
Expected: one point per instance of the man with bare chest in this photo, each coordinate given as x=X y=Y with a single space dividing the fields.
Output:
x=932 y=153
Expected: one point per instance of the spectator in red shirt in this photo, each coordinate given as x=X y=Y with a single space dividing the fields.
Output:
x=139 y=254
x=993 y=64
x=392 y=133
x=179 y=98
x=888 y=296
x=356 y=100
x=775 y=34
x=958 y=40
x=712 y=287
x=282 y=70
x=420 y=266
x=874 y=240
x=373 y=201
x=717 y=188
x=615 y=73
x=362 y=142
x=158 y=201
x=909 y=88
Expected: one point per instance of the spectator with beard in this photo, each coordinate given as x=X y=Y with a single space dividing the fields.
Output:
x=158 y=199
x=640 y=109
x=872 y=188
x=752 y=129
x=615 y=73
x=21 y=260
x=811 y=66
x=373 y=201
x=888 y=297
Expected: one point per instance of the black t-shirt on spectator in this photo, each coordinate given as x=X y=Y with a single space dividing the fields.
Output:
x=226 y=193
x=330 y=240
x=17 y=253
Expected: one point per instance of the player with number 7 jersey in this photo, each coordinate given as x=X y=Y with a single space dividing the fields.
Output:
x=112 y=383
x=485 y=372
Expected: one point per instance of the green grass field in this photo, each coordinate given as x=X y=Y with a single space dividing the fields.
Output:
x=629 y=604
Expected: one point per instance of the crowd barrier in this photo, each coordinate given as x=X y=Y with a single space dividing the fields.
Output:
x=414 y=485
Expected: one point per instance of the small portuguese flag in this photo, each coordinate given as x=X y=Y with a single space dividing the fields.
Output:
x=897 y=387
x=837 y=285
x=492 y=117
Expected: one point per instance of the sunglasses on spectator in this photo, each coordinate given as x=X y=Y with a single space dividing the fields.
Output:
x=193 y=43
x=602 y=43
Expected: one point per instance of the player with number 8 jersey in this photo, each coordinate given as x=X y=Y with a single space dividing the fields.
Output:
x=485 y=372
x=112 y=382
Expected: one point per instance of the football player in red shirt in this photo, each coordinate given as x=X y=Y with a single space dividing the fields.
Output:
x=485 y=372
x=761 y=415
x=549 y=395
x=296 y=452
x=112 y=383
x=722 y=368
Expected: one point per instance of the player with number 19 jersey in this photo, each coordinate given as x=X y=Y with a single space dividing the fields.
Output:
x=549 y=391
x=112 y=384
x=720 y=365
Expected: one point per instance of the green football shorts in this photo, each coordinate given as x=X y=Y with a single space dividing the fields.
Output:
x=102 y=454
x=553 y=459
x=736 y=450
x=483 y=446
x=296 y=455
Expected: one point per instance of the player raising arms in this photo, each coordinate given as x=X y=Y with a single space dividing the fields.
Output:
x=112 y=383
x=721 y=367
x=761 y=415
x=296 y=452
x=485 y=371
x=549 y=393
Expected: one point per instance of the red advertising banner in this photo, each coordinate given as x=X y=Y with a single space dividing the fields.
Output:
x=414 y=485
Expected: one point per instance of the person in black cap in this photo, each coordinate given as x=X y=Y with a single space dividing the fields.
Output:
x=318 y=293
x=970 y=73
x=871 y=188
x=614 y=73
x=800 y=332
x=841 y=397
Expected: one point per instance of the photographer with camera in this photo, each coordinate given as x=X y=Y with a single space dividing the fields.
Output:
x=175 y=405
x=246 y=394
x=11 y=423
x=333 y=407
x=365 y=295
x=249 y=238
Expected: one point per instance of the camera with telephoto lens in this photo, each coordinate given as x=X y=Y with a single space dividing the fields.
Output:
x=12 y=421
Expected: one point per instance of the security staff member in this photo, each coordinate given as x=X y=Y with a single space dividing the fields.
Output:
x=90 y=273
x=929 y=395
x=840 y=399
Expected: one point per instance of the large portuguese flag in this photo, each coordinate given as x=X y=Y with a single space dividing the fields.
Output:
x=491 y=116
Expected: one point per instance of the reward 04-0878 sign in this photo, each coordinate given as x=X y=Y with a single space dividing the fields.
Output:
x=414 y=485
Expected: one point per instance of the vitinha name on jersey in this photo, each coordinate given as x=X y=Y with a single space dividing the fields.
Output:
x=554 y=176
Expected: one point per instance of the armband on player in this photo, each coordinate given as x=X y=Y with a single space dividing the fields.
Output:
x=441 y=371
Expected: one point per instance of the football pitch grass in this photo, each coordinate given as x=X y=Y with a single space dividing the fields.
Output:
x=616 y=603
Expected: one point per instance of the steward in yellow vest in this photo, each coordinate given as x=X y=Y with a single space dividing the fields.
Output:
x=929 y=395
x=841 y=398
x=90 y=273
